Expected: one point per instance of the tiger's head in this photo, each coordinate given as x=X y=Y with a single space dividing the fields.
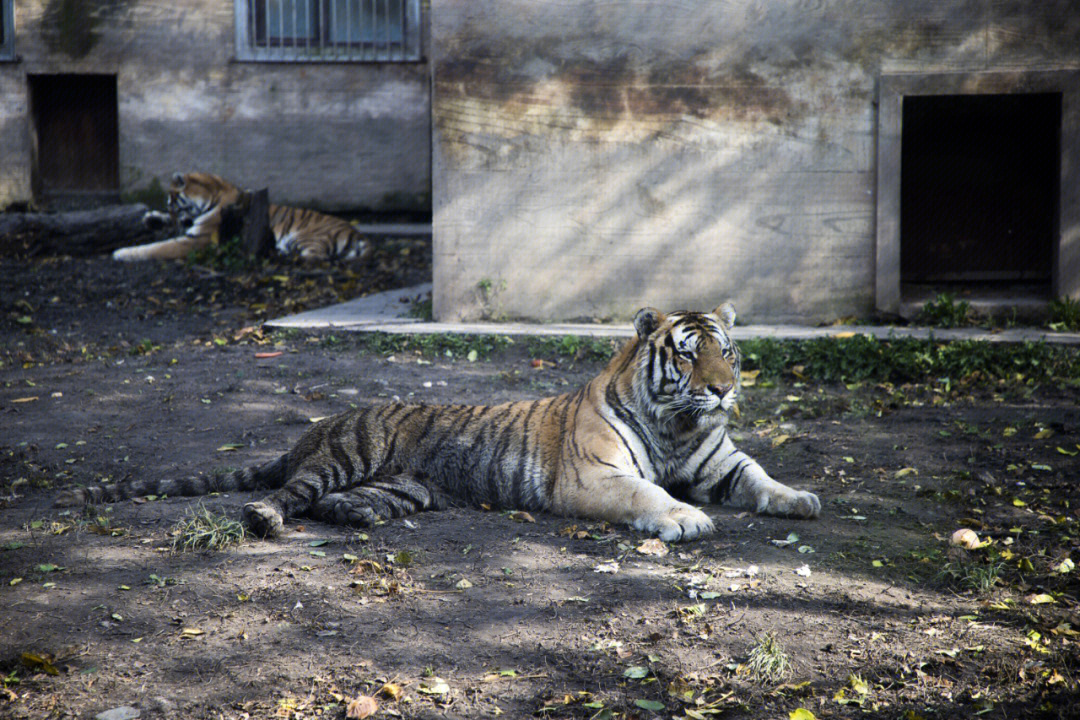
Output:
x=192 y=194
x=688 y=366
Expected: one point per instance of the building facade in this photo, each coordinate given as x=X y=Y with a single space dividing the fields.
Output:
x=811 y=160
x=324 y=102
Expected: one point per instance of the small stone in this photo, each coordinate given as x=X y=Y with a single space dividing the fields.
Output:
x=125 y=712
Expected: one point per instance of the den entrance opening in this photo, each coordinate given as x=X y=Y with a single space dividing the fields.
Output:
x=75 y=148
x=980 y=187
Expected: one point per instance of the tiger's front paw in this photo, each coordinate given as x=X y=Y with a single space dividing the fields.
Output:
x=681 y=522
x=264 y=519
x=791 y=503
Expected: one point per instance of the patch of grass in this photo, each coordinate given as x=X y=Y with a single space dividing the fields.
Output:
x=473 y=347
x=904 y=360
x=203 y=529
x=1065 y=315
x=421 y=310
x=977 y=577
x=227 y=255
x=574 y=346
x=945 y=312
x=767 y=661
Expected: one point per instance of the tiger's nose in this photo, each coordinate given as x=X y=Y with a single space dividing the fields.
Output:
x=721 y=390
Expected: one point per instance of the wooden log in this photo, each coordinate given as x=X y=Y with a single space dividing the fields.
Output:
x=249 y=220
x=78 y=233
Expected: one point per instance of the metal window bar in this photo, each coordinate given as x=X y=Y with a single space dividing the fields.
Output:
x=342 y=30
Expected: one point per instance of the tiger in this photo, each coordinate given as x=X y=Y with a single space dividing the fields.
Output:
x=652 y=425
x=198 y=199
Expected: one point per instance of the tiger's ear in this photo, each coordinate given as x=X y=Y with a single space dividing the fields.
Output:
x=178 y=179
x=646 y=321
x=726 y=313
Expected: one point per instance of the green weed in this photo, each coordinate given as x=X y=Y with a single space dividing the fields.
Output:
x=475 y=347
x=574 y=346
x=945 y=312
x=203 y=529
x=767 y=661
x=908 y=360
x=1065 y=315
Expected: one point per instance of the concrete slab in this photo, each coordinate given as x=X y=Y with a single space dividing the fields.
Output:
x=388 y=312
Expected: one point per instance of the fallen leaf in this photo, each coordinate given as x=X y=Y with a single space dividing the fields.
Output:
x=463 y=584
x=802 y=713
x=1043 y=434
x=653 y=546
x=612 y=566
x=433 y=686
x=904 y=472
x=361 y=707
x=1065 y=566
x=230 y=446
x=391 y=690
x=1070 y=453
x=653 y=705
x=39 y=662
x=636 y=672
x=190 y=632
x=25 y=399
x=803 y=571
x=267 y=356
x=780 y=440
x=1040 y=599
x=522 y=516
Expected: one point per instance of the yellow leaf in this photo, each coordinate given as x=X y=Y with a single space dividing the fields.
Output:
x=1043 y=434
x=803 y=713
x=780 y=440
x=1070 y=453
x=653 y=546
x=1040 y=599
x=522 y=516
x=391 y=690
x=190 y=632
x=1009 y=431
x=904 y=472
x=842 y=336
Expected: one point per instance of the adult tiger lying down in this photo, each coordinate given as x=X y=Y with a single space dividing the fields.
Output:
x=652 y=422
x=197 y=201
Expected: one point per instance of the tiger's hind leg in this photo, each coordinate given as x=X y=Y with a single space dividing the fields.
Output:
x=380 y=499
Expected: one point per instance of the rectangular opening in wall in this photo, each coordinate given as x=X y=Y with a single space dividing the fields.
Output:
x=979 y=193
x=75 y=139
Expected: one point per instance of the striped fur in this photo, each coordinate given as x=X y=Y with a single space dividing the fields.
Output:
x=197 y=200
x=652 y=423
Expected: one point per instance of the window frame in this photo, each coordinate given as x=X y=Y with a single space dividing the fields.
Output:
x=7 y=31
x=256 y=43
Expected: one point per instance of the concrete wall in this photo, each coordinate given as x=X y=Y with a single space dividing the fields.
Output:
x=593 y=157
x=321 y=134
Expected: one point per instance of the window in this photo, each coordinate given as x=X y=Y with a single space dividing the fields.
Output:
x=7 y=30
x=328 y=30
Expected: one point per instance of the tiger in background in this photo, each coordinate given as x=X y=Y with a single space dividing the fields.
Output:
x=652 y=423
x=197 y=200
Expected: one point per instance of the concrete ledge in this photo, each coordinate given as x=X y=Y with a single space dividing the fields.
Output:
x=388 y=312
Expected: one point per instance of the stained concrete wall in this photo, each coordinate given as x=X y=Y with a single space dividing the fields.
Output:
x=329 y=135
x=593 y=157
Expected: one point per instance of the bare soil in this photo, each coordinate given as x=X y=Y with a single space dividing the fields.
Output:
x=113 y=371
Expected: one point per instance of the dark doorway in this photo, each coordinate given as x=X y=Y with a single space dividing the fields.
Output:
x=979 y=191
x=75 y=147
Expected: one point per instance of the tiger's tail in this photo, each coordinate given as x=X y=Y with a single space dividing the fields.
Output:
x=268 y=475
x=378 y=499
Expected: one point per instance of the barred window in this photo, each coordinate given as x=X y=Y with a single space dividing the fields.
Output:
x=328 y=30
x=7 y=29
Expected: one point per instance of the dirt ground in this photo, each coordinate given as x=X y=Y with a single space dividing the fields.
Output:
x=113 y=371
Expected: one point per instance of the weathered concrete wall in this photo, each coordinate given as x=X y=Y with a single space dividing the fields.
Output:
x=593 y=157
x=321 y=134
